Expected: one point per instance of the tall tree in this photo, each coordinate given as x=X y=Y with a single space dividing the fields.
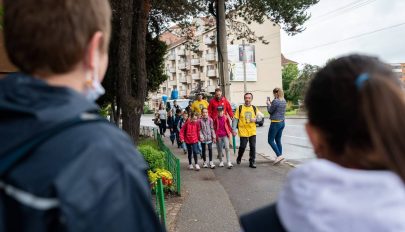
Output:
x=289 y=73
x=299 y=86
x=133 y=19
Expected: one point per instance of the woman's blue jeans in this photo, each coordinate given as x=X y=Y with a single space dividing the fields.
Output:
x=274 y=137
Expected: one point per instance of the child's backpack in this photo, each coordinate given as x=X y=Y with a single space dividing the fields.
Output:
x=157 y=121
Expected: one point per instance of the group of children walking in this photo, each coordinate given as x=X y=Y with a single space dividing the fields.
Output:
x=196 y=133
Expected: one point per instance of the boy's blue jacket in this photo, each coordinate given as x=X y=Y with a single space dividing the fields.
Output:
x=93 y=169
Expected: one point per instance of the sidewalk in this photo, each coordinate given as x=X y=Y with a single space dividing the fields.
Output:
x=206 y=205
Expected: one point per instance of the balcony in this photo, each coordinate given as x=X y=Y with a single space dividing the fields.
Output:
x=212 y=73
x=195 y=62
x=172 y=69
x=183 y=66
x=209 y=41
x=196 y=76
x=210 y=57
x=188 y=78
x=172 y=83
x=181 y=52
x=182 y=93
x=171 y=57
x=211 y=88
x=183 y=80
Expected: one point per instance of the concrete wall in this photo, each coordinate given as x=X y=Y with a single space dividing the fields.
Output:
x=268 y=60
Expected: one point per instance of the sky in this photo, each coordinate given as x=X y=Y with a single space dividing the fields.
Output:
x=336 y=20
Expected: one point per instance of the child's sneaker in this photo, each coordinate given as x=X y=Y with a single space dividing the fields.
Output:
x=230 y=165
x=191 y=167
x=205 y=165
x=197 y=167
x=212 y=165
x=221 y=164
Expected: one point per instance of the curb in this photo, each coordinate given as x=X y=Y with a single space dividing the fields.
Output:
x=269 y=158
x=296 y=117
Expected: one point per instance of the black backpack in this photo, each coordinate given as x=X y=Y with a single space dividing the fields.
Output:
x=254 y=109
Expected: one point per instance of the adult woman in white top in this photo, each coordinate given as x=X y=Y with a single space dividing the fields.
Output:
x=163 y=117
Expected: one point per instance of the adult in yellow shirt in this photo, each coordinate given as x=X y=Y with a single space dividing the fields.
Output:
x=244 y=124
x=199 y=104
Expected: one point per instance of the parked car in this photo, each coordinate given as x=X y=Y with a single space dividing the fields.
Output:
x=183 y=103
x=259 y=122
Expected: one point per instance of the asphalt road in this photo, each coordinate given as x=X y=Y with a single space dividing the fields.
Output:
x=296 y=145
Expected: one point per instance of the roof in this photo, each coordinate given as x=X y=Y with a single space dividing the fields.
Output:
x=173 y=40
x=285 y=61
x=169 y=37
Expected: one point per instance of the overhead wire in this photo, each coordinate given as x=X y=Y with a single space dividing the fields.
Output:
x=339 y=41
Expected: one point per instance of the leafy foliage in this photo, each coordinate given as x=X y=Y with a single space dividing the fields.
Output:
x=290 y=73
x=154 y=157
x=299 y=86
x=1 y=17
x=131 y=43
x=149 y=142
x=155 y=62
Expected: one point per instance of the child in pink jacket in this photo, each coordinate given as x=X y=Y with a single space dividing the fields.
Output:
x=190 y=134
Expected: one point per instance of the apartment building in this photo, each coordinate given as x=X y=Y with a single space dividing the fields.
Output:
x=195 y=68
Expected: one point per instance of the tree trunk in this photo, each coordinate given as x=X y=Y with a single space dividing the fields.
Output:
x=142 y=9
x=131 y=62
x=124 y=10
x=223 y=49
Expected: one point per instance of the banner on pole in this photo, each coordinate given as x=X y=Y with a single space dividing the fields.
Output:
x=235 y=59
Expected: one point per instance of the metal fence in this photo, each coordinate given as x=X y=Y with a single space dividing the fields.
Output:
x=160 y=202
x=172 y=162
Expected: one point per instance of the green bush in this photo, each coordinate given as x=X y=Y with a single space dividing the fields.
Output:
x=154 y=157
x=146 y=141
x=147 y=110
x=105 y=110
x=290 y=106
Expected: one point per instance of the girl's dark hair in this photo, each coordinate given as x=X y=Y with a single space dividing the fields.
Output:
x=362 y=122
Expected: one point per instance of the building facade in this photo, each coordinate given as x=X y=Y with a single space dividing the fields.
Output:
x=195 y=68
x=399 y=70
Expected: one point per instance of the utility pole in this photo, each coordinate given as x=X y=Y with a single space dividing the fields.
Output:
x=223 y=50
x=244 y=66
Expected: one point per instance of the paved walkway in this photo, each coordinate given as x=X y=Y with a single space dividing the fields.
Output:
x=207 y=206
x=214 y=199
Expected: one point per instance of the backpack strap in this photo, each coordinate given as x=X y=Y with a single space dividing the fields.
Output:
x=254 y=109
